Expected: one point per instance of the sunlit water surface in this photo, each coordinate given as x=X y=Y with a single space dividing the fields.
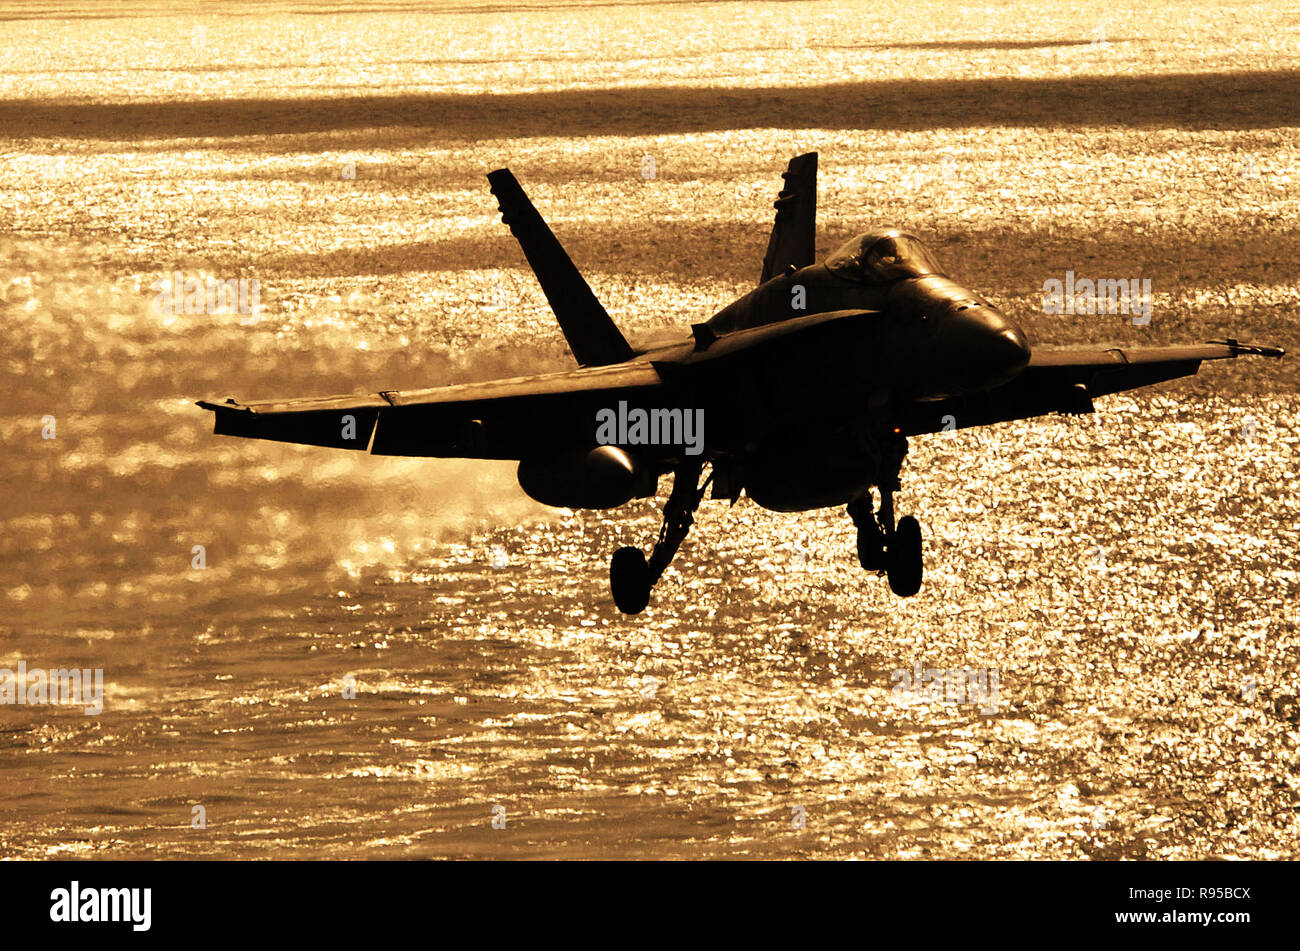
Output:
x=338 y=655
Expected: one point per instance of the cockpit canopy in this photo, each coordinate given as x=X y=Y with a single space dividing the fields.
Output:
x=882 y=257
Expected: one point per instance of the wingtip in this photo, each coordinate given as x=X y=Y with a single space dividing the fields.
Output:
x=229 y=403
x=1238 y=348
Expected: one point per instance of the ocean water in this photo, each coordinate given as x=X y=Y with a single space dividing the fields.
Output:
x=336 y=655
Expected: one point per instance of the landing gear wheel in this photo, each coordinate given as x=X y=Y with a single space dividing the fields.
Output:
x=904 y=558
x=629 y=580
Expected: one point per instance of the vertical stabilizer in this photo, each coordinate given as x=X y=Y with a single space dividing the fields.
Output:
x=592 y=336
x=794 y=233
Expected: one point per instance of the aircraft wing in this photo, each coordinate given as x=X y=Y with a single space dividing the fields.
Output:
x=501 y=419
x=1067 y=380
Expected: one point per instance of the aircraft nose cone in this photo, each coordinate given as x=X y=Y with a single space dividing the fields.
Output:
x=988 y=348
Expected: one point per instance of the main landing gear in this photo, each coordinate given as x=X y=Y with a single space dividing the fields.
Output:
x=883 y=546
x=630 y=576
x=886 y=547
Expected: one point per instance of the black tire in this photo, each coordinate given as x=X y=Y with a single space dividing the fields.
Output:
x=904 y=558
x=629 y=580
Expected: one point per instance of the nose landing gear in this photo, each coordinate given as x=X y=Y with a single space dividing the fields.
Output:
x=904 y=556
x=883 y=546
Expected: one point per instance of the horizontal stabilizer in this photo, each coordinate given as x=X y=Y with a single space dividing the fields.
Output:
x=592 y=336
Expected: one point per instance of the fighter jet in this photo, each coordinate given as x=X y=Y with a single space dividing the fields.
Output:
x=802 y=394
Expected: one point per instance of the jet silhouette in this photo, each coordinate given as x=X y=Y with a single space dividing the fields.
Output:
x=802 y=394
